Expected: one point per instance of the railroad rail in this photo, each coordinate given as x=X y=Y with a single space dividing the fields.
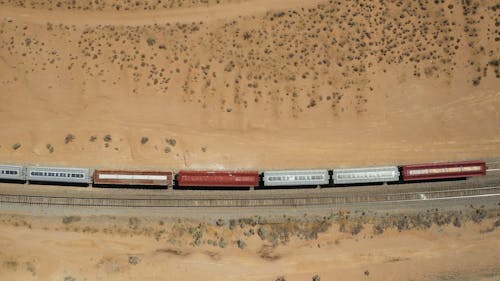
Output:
x=252 y=200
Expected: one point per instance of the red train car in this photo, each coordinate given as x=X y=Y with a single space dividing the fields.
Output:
x=218 y=178
x=124 y=177
x=444 y=170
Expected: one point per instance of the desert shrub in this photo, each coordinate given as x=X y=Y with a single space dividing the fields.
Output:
x=378 y=229
x=69 y=138
x=134 y=260
x=144 y=140
x=497 y=223
x=356 y=229
x=262 y=232
x=232 y=224
x=241 y=244
x=16 y=146
x=11 y=264
x=223 y=243
x=71 y=219
x=220 y=222
x=151 y=41
x=478 y=215
x=171 y=142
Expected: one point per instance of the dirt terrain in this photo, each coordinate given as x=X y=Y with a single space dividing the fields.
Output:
x=430 y=245
x=225 y=84
x=248 y=84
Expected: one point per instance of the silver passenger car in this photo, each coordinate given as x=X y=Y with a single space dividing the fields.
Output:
x=12 y=172
x=296 y=177
x=59 y=174
x=366 y=175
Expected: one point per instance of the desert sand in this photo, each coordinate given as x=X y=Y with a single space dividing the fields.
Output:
x=431 y=245
x=248 y=84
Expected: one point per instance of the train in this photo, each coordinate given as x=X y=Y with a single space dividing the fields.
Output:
x=186 y=179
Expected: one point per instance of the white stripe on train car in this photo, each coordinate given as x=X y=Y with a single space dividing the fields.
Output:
x=443 y=170
x=131 y=177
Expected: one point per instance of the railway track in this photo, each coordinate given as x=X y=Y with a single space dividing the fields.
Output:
x=252 y=200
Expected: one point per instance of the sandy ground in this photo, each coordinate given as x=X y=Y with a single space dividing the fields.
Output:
x=131 y=248
x=247 y=84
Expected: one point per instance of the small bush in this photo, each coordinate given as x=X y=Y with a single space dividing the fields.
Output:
x=144 y=140
x=316 y=278
x=16 y=146
x=134 y=260
x=478 y=215
x=50 y=148
x=281 y=278
x=497 y=223
x=241 y=244
x=172 y=142
x=356 y=229
x=107 y=138
x=232 y=224
x=93 y=138
x=220 y=222
x=262 y=232
x=223 y=243
x=12 y=265
x=378 y=229
x=70 y=219
x=167 y=149
x=151 y=41
x=69 y=138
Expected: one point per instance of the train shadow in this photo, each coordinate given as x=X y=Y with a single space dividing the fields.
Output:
x=128 y=186
x=72 y=184
x=360 y=184
x=212 y=188
x=436 y=180
x=12 y=181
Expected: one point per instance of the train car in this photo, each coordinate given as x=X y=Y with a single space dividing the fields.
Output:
x=296 y=178
x=12 y=172
x=444 y=170
x=128 y=177
x=366 y=175
x=218 y=178
x=59 y=175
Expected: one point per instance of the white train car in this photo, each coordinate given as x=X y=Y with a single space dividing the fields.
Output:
x=366 y=175
x=59 y=174
x=296 y=177
x=12 y=172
